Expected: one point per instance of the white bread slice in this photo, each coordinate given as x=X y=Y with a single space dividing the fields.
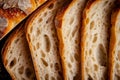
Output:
x=68 y=23
x=16 y=56
x=43 y=43
x=114 y=50
x=94 y=39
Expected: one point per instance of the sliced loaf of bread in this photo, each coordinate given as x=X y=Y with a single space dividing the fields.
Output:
x=94 y=39
x=16 y=56
x=43 y=43
x=68 y=23
x=114 y=50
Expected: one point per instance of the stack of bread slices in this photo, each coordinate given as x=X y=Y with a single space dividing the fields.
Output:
x=66 y=40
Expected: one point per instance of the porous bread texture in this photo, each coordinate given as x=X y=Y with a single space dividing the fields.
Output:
x=94 y=42
x=115 y=46
x=43 y=42
x=17 y=59
x=68 y=28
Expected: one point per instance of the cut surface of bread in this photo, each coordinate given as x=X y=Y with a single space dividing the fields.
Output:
x=114 y=50
x=12 y=12
x=17 y=58
x=68 y=23
x=43 y=43
x=94 y=39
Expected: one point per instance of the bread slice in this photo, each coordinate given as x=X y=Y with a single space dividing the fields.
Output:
x=94 y=39
x=16 y=56
x=68 y=23
x=43 y=43
x=12 y=12
x=114 y=50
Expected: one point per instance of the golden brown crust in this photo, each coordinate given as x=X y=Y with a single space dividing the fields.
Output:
x=83 y=34
x=60 y=13
x=13 y=16
x=112 y=42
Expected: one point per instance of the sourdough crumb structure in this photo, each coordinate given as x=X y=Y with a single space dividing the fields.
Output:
x=43 y=42
x=95 y=39
x=17 y=59
x=68 y=34
x=115 y=46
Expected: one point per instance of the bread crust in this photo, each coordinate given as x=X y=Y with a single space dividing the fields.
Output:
x=28 y=27
x=89 y=4
x=58 y=23
x=88 y=7
x=27 y=64
x=15 y=15
x=113 y=41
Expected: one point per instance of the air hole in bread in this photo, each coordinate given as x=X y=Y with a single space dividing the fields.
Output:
x=117 y=77
x=95 y=38
x=34 y=48
x=87 y=70
x=12 y=63
x=118 y=54
x=60 y=75
x=102 y=55
x=21 y=70
x=47 y=43
x=56 y=66
x=28 y=72
x=20 y=54
x=87 y=20
x=51 y=65
x=45 y=14
x=71 y=20
x=89 y=77
x=117 y=66
x=90 y=51
x=76 y=77
x=92 y=25
x=69 y=65
x=95 y=67
x=74 y=31
x=44 y=62
x=38 y=32
x=22 y=79
x=16 y=40
x=76 y=56
x=52 y=78
x=46 y=77
x=40 y=20
x=106 y=2
x=37 y=45
x=51 y=6
x=11 y=52
x=43 y=54
x=71 y=71
x=93 y=14
x=71 y=58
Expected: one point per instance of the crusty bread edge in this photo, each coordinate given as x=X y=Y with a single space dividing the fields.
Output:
x=7 y=44
x=28 y=27
x=83 y=35
x=112 y=42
